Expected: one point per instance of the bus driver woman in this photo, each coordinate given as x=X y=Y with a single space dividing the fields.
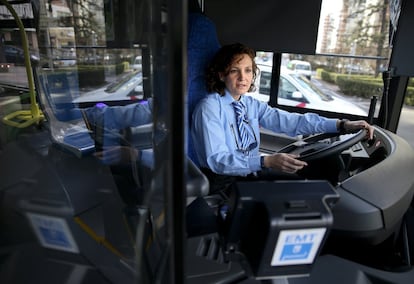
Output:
x=225 y=124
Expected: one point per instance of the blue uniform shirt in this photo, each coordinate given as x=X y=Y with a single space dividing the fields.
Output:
x=215 y=136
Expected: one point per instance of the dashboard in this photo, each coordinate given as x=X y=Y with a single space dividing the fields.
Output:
x=373 y=178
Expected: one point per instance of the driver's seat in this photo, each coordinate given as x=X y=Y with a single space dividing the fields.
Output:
x=202 y=45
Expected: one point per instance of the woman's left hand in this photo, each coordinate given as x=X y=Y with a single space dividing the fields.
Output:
x=351 y=126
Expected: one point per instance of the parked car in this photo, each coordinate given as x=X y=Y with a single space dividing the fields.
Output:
x=296 y=90
x=4 y=67
x=64 y=62
x=126 y=89
x=300 y=67
x=137 y=64
x=359 y=69
x=15 y=55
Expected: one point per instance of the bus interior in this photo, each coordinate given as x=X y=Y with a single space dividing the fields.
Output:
x=99 y=180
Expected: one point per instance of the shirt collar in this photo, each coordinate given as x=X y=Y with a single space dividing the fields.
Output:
x=228 y=99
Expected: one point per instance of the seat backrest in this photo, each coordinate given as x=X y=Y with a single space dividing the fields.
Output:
x=67 y=128
x=202 y=45
x=57 y=95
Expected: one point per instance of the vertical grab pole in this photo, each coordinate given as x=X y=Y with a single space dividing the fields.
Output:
x=34 y=108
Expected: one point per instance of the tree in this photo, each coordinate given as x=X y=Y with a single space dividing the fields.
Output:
x=86 y=20
x=368 y=31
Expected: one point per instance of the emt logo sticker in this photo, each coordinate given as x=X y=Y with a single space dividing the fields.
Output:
x=297 y=246
x=53 y=232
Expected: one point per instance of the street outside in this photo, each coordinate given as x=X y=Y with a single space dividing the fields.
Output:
x=406 y=124
x=17 y=75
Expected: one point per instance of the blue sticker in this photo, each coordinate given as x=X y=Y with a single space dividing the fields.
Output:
x=296 y=251
x=297 y=246
x=54 y=236
x=53 y=232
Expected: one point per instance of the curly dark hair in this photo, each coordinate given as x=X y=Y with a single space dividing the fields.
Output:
x=221 y=63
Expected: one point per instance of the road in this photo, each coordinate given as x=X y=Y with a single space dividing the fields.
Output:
x=406 y=124
x=16 y=76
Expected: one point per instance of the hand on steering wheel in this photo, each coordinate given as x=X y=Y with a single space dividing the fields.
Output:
x=284 y=162
x=318 y=147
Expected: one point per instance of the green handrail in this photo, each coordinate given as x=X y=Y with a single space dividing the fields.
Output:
x=34 y=115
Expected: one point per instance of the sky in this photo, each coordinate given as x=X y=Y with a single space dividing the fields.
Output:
x=328 y=7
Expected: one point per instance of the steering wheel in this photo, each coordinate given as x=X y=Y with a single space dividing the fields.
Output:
x=319 y=146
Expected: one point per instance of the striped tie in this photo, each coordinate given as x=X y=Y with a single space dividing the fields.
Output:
x=247 y=138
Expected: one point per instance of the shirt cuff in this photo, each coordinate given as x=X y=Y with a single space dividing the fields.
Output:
x=330 y=125
x=254 y=164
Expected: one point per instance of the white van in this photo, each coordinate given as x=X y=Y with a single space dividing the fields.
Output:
x=137 y=64
x=300 y=67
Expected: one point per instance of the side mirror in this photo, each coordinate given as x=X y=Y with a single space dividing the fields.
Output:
x=297 y=95
x=138 y=89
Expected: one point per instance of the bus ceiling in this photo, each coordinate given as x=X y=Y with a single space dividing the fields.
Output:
x=282 y=26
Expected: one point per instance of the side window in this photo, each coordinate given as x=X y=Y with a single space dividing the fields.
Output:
x=288 y=91
x=264 y=84
x=283 y=89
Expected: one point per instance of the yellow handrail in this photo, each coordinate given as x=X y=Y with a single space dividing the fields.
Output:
x=34 y=115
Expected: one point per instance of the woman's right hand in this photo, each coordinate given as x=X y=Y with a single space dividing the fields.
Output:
x=284 y=162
